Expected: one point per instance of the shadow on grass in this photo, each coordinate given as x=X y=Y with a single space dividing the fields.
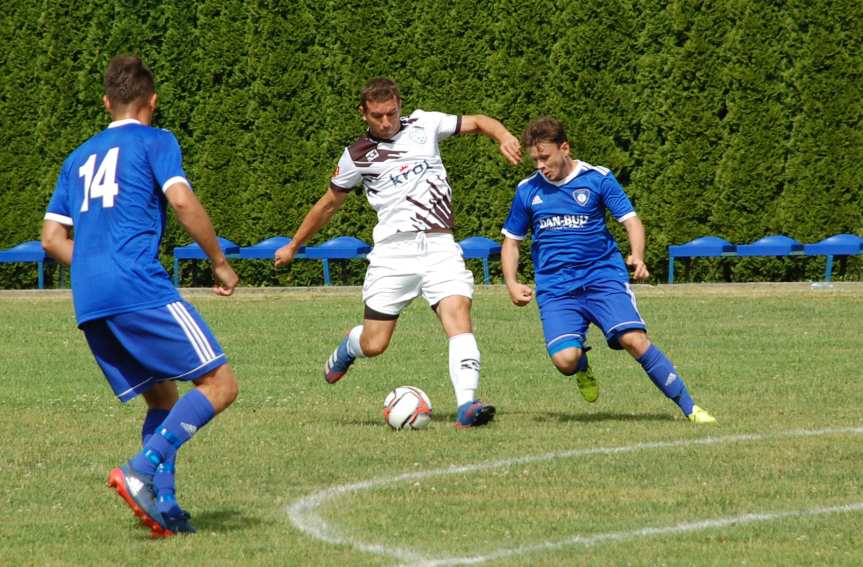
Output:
x=602 y=416
x=562 y=417
x=224 y=520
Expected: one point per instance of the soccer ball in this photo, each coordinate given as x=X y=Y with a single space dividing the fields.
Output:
x=407 y=407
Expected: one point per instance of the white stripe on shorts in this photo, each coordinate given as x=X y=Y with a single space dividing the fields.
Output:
x=196 y=331
x=192 y=331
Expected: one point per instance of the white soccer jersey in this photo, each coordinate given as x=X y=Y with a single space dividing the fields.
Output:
x=403 y=178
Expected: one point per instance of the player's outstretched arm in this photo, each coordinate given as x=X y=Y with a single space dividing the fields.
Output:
x=194 y=218
x=487 y=126
x=520 y=294
x=635 y=260
x=317 y=217
x=56 y=241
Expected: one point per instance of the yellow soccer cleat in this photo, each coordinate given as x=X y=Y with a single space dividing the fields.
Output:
x=700 y=415
x=587 y=386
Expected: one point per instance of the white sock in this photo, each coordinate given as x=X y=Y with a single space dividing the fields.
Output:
x=354 y=348
x=464 y=367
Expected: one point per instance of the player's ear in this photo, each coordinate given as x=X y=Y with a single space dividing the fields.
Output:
x=152 y=102
x=107 y=102
x=564 y=147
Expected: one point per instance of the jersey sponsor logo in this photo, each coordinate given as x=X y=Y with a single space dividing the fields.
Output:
x=372 y=155
x=559 y=222
x=537 y=200
x=581 y=196
x=407 y=171
x=417 y=134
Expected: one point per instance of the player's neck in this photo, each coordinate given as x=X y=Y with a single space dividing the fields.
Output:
x=142 y=117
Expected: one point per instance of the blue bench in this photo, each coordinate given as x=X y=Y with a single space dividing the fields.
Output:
x=340 y=248
x=706 y=246
x=194 y=252
x=482 y=248
x=266 y=249
x=774 y=245
x=27 y=252
x=838 y=245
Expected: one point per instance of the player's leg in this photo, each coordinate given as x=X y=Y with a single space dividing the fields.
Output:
x=175 y=343
x=663 y=374
x=565 y=329
x=160 y=399
x=391 y=283
x=464 y=361
x=448 y=287
x=617 y=314
x=363 y=341
x=215 y=391
x=127 y=378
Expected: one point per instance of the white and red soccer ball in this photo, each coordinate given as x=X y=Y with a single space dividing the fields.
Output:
x=407 y=407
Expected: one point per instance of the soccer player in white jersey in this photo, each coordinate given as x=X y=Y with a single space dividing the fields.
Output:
x=112 y=191
x=581 y=276
x=398 y=162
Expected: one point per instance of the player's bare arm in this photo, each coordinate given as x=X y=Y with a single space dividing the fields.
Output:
x=635 y=260
x=56 y=241
x=192 y=216
x=317 y=217
x=519 y=293
x=510 y=147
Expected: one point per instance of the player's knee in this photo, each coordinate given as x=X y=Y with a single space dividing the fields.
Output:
x=635 y=342
x=373 y=346
x=566 y=361
x=220 y=387
x=231 y=390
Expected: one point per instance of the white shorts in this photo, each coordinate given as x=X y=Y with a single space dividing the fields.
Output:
x=408 y=264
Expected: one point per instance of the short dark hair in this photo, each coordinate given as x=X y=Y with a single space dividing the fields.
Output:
x=379 y=89
x=545 y=129
x=127 y=79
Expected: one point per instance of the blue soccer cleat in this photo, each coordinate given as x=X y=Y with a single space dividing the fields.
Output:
x=338 y=363
x=137 y=491
x=473 y=414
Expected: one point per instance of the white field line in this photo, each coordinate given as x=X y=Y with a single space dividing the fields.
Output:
x=303 y=512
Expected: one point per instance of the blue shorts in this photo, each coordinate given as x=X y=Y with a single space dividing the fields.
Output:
x=609 y=305
x=138 y=349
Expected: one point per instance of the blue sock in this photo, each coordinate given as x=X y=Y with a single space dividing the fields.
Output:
x=665 y=377
x=163 y=479
x=153 y=419
x=192 y=412
x=163 y=484
x=582 y=362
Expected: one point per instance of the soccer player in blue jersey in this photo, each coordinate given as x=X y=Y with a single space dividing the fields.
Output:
x=581 y=276
x=112 y=191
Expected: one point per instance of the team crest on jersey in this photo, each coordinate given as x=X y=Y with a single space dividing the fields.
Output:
x=581 y=196
x=372 y=155
x=418 y=135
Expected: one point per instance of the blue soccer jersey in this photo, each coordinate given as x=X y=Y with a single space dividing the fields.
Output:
x=572 y=246
x=110 y=190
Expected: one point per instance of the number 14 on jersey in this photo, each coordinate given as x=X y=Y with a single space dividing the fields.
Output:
x=104 y=183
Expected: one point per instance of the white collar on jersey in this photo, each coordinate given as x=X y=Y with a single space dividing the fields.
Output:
x=578 y=170
x=123 y=122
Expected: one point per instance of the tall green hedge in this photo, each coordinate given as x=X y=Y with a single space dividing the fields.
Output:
x=725 y=117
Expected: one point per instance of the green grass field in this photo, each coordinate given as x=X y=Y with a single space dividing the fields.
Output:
x=553 y=481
